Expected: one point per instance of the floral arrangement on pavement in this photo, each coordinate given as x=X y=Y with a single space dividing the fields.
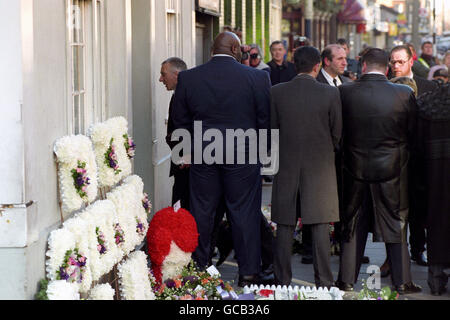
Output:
x=67 y=261
x=134 y=280
x=77 y=171
x=171 y=238
x=62 y=290
x=384 y=294
x=79 y=228
x=103 y=251
x=110 y=152
x=102 y=292
x=293 y=293
x=267 y=212
x=192 y=284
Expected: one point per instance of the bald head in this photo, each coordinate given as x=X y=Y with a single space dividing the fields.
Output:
x=228 y=43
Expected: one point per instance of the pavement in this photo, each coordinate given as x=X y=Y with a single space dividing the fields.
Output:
x=303 y=275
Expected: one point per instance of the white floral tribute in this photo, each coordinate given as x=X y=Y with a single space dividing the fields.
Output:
x=78 y=227
x=134 y=281
x=293 y=293
x=111 y=154
x=67 y=259
x=174 y=262
x=131 y=214
x=103 y=250
x=77 y=171
x=62 y=290
x=102 y=292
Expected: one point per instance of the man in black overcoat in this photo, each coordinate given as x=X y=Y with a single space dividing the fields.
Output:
x=432 y=153
x=224 y=95
x=378 y=121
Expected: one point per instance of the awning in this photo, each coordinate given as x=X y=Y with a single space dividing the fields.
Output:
x=352 y=12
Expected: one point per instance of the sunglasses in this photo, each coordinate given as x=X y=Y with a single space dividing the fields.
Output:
x=254 y=56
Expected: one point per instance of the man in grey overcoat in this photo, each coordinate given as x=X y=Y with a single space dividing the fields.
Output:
x=308 y=116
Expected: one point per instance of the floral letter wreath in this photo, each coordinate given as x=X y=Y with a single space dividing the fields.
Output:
x=77 y=171
x=171 y=238
x=112 y=157
x=66 y=260
x=103 y=250
x=102 y=292
x=134 y=278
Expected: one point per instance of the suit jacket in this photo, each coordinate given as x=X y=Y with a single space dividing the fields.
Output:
x=280 y=74
x=424 y=85
x=223 y=94
x=379 y=119
x=308 y=115
x=321 y=78
x=170 y=128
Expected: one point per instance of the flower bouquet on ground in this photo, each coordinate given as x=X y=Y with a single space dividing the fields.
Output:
x=384 y=294
x=192 y=284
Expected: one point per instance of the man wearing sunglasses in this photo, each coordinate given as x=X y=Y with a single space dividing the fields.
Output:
x=255 y=58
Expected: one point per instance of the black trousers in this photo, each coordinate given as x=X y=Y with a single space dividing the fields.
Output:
x=180 y=189
x=240 y=186
x=320 y=248
x=267 y=238
x=353 y=250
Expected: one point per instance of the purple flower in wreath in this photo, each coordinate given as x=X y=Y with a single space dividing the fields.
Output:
x=111 y=158
x=63 y=274
x=130 y=146
x=80 y=179
x=146 y=203
x=170 y=283
x=191 y=279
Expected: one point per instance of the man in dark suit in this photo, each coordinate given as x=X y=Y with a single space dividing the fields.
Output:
x=281 y=70
x=378 y=121
x=401 y=62
x=224 y=95
x=309 y=137
x=332 y=73
x=170 y=69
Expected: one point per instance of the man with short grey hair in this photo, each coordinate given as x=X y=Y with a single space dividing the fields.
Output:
x=170 y=69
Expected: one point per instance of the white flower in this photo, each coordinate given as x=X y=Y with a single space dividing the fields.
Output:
x=128 y=205
x=174 y=262
x=79 y=227
x=101 y=215
x=69 y=150
x=102 y=292
x=134 y=278
x=62 y=290
x=101 y=135
x=59 y=242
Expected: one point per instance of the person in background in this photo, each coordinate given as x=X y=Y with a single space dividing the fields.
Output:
x=418 y=68
x=438 y=74
x=256 y=58
x=281 y=70
x=169 y=77
x=432 y=150
x=351 y=71
x=427 y=58
x=447 y=59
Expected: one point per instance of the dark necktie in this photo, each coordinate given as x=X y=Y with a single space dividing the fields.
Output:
x=335 y=82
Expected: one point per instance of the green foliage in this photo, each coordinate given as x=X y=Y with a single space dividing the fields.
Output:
x=385 y=294
x=228 y=12
x=239 y=23
x=328 y=5
x=42 y=293
x=249 y=22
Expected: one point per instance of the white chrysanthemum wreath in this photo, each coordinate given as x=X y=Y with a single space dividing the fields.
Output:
x=77 y=171
x=134 y=278
x=102 y=292
x=62 y=290
x=103 y=250
x=67 y=260
x=140 y=203
x=110 y=150
x=127 y=203
x=78 y=227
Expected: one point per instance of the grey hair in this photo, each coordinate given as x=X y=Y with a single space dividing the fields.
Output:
x=176 y=63
x=256 y=46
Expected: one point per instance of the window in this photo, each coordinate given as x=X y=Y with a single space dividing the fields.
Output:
x=172 y=28
x=85 y=52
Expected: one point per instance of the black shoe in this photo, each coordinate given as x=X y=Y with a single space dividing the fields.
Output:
x=248 y=280
x=408 y=288
x=347 y=287
x=385 y=272
x=439 y=292
x=307 y=259
x=420 y=259
x=365 y=260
